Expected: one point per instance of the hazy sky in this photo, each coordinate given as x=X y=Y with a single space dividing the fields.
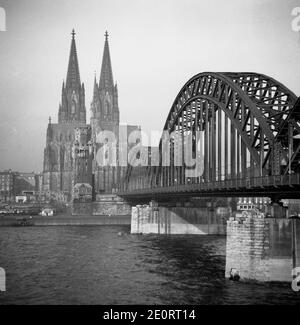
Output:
x=155 y=45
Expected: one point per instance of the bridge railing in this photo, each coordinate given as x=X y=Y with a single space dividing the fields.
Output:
x=142 y=184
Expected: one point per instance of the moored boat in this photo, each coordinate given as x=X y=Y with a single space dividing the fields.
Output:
x=47 y=212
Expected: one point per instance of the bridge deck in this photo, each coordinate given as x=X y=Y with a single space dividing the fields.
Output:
x=285 y=186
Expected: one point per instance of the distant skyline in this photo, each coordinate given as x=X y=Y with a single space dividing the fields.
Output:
x=155 y=47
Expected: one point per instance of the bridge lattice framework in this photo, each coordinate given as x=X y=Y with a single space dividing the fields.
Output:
x=249 y=125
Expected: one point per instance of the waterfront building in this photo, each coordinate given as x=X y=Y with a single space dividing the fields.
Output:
x=6 y=186
x=246 y=203
x=15 y=184
x=25 y=183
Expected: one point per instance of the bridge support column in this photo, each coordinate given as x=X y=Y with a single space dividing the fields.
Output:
x=259 y=248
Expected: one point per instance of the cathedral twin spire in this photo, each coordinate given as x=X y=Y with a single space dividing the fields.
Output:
x=72 y=107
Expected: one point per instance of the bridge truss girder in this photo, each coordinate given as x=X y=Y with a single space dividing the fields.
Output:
x=247 y=120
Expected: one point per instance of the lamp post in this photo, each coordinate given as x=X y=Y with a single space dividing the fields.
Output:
x=294 y=218
x=290 y=134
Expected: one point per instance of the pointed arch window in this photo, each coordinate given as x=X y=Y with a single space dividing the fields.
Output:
x=107 y=103
x=73 y=107
x=74 y=101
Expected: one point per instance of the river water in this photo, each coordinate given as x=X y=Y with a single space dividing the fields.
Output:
x=97 y=265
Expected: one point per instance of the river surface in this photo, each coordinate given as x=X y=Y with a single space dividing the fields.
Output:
x=97 y=265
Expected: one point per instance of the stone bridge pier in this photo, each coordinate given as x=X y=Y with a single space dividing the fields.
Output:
x=263 y=249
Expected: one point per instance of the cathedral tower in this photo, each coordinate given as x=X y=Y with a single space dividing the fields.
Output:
x=105 y=116
x=58 y=171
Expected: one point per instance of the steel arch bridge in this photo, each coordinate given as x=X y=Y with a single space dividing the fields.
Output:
x=242 y=126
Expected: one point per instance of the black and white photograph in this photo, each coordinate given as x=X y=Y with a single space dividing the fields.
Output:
x=149 y=155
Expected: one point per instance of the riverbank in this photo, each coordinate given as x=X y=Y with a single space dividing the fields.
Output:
x=64 y=220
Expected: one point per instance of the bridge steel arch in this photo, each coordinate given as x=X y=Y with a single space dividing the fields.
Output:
x=244 y=120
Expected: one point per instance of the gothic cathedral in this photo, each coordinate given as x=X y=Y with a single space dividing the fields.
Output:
x=70 y=165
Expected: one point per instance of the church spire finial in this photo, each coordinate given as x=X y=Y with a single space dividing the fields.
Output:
x=106 y=35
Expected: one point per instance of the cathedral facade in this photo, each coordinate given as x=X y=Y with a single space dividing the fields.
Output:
x=70 y=155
